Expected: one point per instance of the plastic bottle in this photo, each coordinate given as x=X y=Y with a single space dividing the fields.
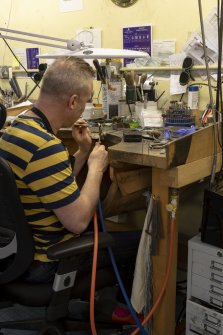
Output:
x=193 y=97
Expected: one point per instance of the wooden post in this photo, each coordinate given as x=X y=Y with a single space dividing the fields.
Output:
x=164 y=317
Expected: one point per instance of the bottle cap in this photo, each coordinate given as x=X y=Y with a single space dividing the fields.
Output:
x=193 y=88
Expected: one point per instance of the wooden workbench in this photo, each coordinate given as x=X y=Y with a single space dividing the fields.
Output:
x=184 y=161
x=133 y=168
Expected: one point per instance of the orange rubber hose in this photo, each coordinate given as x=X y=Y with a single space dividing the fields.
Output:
x=93 y=276
x=169 y=266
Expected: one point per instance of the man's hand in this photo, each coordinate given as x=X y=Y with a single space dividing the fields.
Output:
x=82 y=135
x=98 y=159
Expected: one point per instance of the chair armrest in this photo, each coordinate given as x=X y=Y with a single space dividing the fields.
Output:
x=79 y=245
x=8 y=243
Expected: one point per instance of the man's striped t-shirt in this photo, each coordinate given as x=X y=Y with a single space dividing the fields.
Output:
x=44 y=178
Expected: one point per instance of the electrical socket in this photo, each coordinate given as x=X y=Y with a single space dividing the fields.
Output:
x=4 y=72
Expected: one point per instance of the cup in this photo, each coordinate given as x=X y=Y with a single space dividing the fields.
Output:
x=130 y=94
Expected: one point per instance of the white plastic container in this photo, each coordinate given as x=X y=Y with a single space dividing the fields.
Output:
x=193 y=97
x=104 y=88
x=149 y=116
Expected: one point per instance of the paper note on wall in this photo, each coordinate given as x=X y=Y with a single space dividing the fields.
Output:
x=71 y=5
x=163 y=49
x=175 y=87
x=21 y=58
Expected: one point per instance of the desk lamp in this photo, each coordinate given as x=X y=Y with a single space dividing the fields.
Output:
x=72 y=47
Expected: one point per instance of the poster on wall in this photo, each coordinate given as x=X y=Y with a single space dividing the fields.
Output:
x=137 y=38
x=27 y=57
x=32 y=61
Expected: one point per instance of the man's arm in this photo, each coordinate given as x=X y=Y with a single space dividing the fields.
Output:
x=80 y=159
x=82 y=137
x=76 y=216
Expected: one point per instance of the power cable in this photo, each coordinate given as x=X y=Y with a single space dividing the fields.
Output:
x=219 y=25
x=18 y=60
x=9 y=18
x=214 y=163
x=219 y=82
x=132 y=311
x=93 y=276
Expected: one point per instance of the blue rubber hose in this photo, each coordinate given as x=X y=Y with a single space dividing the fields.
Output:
x=132 y=311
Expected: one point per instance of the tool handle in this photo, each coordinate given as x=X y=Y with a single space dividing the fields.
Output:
x=99 y=71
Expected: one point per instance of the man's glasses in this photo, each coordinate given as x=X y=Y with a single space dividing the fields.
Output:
x=185 y=75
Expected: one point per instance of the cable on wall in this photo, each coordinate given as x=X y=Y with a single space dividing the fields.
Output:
x=9 y=19
x=19 y=61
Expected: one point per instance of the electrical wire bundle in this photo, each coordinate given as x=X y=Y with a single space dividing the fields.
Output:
x=139 y=325
x=207 y=113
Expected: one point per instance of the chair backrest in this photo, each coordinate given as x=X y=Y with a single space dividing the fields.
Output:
x=3 y=115
x=16 y=241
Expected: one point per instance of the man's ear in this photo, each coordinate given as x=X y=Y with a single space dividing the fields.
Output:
x=72 y=102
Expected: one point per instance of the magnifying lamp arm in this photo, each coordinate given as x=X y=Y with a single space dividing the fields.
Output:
x=13 y=38
x=33 y=35
x=71 y=44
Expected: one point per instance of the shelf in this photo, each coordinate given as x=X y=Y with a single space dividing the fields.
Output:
x=23 y=71
x=165 y=68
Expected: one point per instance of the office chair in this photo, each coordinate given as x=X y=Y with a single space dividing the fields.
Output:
x=16 y=255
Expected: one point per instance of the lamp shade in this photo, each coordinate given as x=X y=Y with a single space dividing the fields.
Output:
x=90 y=53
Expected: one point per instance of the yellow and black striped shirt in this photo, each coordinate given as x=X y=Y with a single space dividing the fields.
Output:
x=44 y=178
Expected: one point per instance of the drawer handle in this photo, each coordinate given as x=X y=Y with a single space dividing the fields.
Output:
x=213 y=267
x=195 y=331
x=207 y=320
x=208 y=332
x=215 y=293
x=215 y=305
x=202 y=331
x=215 y=280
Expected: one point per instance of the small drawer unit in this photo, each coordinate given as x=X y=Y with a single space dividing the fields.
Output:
x=202 y=320
x=205 y=273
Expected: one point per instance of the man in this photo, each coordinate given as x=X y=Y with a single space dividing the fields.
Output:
x=54 y=205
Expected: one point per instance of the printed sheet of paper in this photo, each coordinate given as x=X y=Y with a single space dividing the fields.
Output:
x=71 y=5
x=163 y=49
x=21 y=55
x=175 y=87
x=194 y=45
x=194 y=49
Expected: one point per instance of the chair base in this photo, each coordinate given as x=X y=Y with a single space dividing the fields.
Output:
x=36 y=320
x=44 y=328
